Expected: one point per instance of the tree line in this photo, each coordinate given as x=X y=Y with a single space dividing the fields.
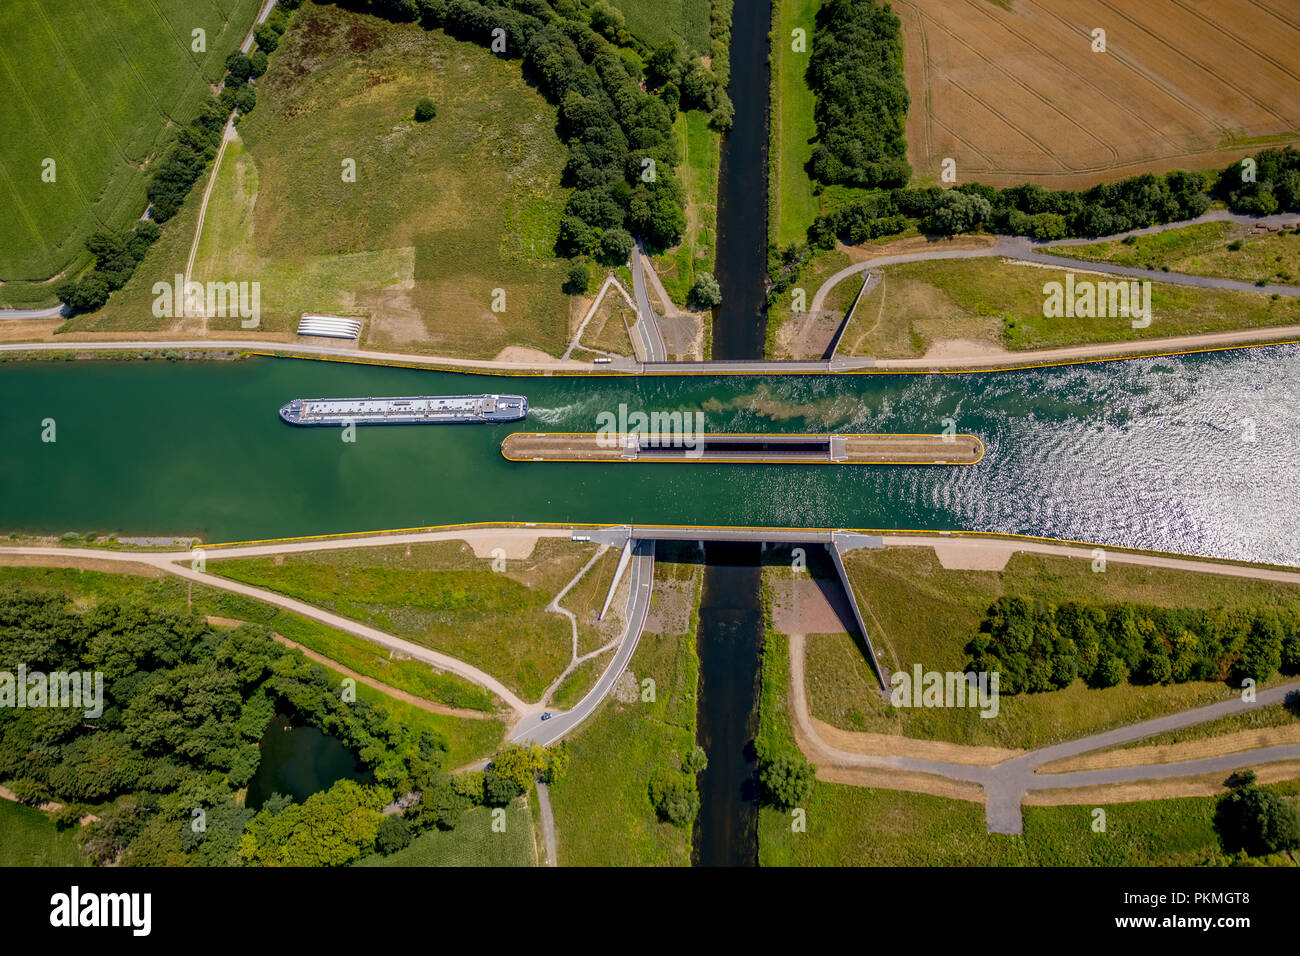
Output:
x=115 y=255
x=1040 y=646
x=1105 y=209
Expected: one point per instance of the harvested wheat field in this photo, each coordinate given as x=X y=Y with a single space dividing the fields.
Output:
x=1012 y=90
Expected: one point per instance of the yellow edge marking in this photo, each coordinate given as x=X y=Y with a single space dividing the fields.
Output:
x=878 y=532
x=613 y=460
x=568 y=373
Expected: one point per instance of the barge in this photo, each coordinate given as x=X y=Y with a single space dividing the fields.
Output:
x=421 y=410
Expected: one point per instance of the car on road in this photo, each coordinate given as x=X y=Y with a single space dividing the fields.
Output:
x=547 y=716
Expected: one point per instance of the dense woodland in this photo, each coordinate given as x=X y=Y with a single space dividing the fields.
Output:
x=1040 y=646
x=184 y=708
x=856 y=71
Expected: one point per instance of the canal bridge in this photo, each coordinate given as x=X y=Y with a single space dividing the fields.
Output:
x=837 y=542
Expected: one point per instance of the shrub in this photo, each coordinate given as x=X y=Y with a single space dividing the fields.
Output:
x=705 y=292
x=577 y=279
x=1256 y=820
x=425 y=110
x=785 y=777
x=1235 y=245
x=674 y=797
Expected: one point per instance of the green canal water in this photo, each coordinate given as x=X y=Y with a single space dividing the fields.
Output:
x=1145 y=452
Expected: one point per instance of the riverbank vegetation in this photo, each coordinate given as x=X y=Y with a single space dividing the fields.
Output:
x=442 y=596
x=640 y=741
x=925 y=614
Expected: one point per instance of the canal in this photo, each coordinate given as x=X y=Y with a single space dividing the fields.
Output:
x=1149 y=453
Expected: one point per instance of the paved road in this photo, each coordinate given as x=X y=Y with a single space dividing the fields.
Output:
x=648 y=323
x=532 y=729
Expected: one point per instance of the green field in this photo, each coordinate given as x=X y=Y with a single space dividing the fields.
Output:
x=602 y=807
x=28 y=837
x=445 y=598
x=467 y=739
x=1203 y=250
x=98 y=88
x=698 y=145
x=793 y=130
x=1001 y=303
x=925 y=614
x=440 y=215
x=858 y=826
x=657 y=21
x=472 y=843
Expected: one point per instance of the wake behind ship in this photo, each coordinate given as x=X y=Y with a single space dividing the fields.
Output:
x=423 y=410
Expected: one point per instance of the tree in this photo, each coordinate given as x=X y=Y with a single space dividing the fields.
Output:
x=616 y=246
x=1256 y=820
x=520 y=764
x=577 y=279
x=266 y=37
x=674 y=796
x=239 y=67
x=498 y=790
x=785 y=777
x=957 y=212
x=606 y=19
x=696 y=760
x=393 y=834
x=425 y=110
x=705 y=292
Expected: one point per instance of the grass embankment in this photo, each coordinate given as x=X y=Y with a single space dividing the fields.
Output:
x=28 y=837
x=821 y=266
x=923 y=613
x=856 y=826
x=472 y=843
x=1205 y=249
x=602 y=806
x=1001 y=303
x=700 y=148
x=793 y=204
x=440 y=213
x=1279 y=715
x=467 y=739
x=443 y=597
x=101 y=101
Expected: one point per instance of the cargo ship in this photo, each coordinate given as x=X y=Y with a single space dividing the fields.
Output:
x=424 y=410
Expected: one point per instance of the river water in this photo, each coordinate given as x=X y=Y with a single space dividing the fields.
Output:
x=730 y=633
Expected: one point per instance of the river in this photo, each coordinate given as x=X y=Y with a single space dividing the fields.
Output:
x=730 y=634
